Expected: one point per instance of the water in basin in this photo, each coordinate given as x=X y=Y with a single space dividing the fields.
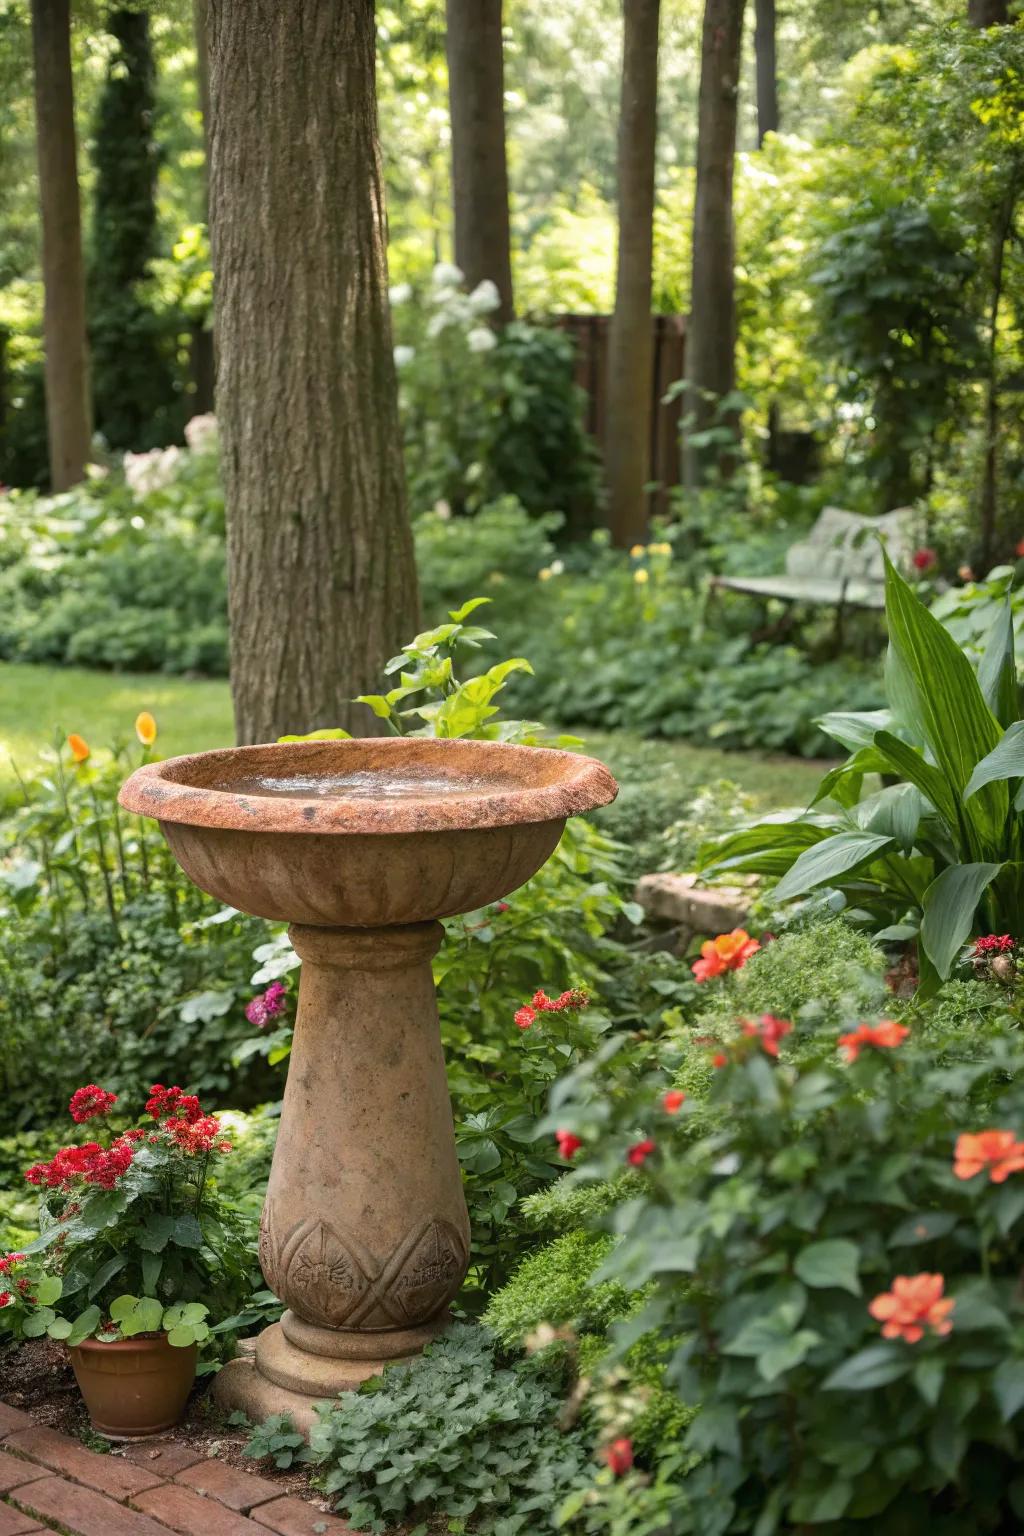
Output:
x=367 y=784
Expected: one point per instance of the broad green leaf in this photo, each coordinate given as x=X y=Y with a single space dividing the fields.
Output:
x=932 y=784
x=83 y=1326
x=825 y=863
x=60 y=1328
x=156 y=1233
x=929 y=1375
x=37 y=1323
x=959 y=727
x=48 y=1290
x=997 y=670
x=328 y=733
x=875 y=1366
x=457 y=615
x=1006 y=761
x=1008 y=1388
x=895 y=811
x=187 y=1232
x=767 y=849
x=377 y=702
x=782 y=1357
x=949 y=905
x=832 y=1263
x=107 y=1272
x=854 y=730
x=923 y=1227
x=181 y=1336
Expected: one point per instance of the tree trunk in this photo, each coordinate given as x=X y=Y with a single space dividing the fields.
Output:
x=711 y=335
x=990 y=476
x=628 y=454
x=68 y=414
x=321 y=572
x=476 y=96
x=767 y=69
x=988 y=13
x=200 y=29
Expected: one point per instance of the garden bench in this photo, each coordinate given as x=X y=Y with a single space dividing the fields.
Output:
x=839 y=564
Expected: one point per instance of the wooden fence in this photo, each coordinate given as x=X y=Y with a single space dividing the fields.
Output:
x=590 y=334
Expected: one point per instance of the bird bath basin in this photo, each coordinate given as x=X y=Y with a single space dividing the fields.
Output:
x=361 y=846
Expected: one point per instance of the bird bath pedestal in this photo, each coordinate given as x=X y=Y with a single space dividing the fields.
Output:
x=361 y=846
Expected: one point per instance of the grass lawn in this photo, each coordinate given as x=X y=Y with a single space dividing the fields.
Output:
x=39 y=704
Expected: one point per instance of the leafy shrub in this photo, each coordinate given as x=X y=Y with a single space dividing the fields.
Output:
x=773 y=1233
x=554 y=1286
x=453 y=1434
x=936 y=855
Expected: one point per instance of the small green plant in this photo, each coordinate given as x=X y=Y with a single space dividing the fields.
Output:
x=452 y=1434
x=276 y=1440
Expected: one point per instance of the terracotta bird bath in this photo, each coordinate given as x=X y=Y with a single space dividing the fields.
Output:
x=361 y=846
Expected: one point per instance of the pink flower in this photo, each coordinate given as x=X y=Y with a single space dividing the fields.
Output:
x=924 y=559
x=266 y=1005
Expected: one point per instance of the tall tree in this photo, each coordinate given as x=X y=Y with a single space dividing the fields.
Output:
x=767 y=69
x=476 y=96
x=320 y=559
x=988 y=13
x=711 y=333
x=627 y=456
x=68 y=417
x=133 y=353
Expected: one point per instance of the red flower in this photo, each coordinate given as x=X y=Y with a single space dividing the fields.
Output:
x=568 y=1144
x=728 y=952
x=90 y=1163
x=673 y=1101
x=5 y=1298
x=524 y=1016
x=573 y=999
x=924 y=559
x=639 y=1152
x=502 y=906
x=166 y=1102
x=1020 y=547
x=194 y=1136
x=769 y=1031
x=884 y=1036
x=915 y=1303
x=619 y=1456
x=998 y=1151
x=992 y=944
x=8 y=1261
x=90 y=1101
x=719 y=1059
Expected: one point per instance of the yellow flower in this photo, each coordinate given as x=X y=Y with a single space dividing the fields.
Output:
x=145 y=728
x=661 y=549
x=546 y=574
x=79 y=748
x=641 y=576
x=637 y=552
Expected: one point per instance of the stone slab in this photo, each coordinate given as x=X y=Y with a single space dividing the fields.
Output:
x=241 y=1491
x=186 y=1511
x=294 y=1517
x=13 y=1522
x=12 y=1419
x=708 y=910
x=166 y=1458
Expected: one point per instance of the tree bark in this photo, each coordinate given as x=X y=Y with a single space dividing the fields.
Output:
x=628 y=453
x=68 y=411
x=767 y=69
x=322 y=579
x=990 y=476
x=200 y=29
x=476 y=96
x=988 y=13
x=711 y=334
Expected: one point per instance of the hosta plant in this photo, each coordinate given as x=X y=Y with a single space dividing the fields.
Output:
x=937 y=853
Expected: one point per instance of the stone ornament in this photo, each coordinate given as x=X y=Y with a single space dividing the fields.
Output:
x=361 y=846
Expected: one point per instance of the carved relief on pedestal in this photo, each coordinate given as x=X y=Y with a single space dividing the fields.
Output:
x=336 y=1282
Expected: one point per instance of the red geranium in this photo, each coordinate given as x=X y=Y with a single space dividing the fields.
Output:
x=568 y=1144
x=639 y=1152
x=619 y=1456
x=90 y=1101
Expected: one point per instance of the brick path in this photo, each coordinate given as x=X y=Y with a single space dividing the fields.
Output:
x=50 y=1482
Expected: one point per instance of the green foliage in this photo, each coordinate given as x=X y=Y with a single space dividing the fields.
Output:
x=276 y=1440
x=553 y=1286
x=487 y=415
x=132 y=352
x=452 y=1434
x=937 y=854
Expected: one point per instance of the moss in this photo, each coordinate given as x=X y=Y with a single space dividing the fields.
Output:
x=553 y=1286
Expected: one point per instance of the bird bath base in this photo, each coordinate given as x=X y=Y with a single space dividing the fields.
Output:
x=361 y=846
x=365 y=1234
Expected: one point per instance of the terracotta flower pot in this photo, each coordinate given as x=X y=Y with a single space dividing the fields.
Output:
x=135 y=1386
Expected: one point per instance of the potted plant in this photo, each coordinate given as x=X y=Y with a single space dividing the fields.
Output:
x=135 y=1250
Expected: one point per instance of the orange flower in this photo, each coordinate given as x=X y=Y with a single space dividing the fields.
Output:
x=145 y=728
x=769 y=1031
x=998 y=1151
x=884 y=1036
x=915 y=1302
x=79 y=748
x=729 y=952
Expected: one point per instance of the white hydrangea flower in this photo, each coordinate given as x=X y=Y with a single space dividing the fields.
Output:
x=401 y=293
x=145 y=473
x=201 y=433
x=447 y=275
x=404 y=356
x=485 y=298
x=481 y=339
